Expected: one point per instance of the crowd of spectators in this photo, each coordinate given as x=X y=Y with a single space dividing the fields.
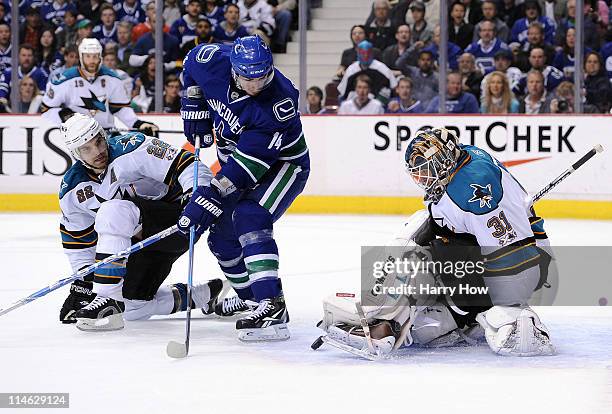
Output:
x=51 y=30
x=504 y=56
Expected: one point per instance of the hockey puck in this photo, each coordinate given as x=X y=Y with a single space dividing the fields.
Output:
x=317 y=344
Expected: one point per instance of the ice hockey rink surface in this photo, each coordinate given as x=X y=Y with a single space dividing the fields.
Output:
x=128 y=371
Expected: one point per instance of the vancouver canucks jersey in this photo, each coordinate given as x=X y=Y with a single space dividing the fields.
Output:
x=252 y=133
x=139 y=166
x=102 y=98
x=485 y=56
x=485 y=201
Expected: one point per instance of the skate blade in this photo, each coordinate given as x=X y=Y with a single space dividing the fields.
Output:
x=109 y=323
x=359 y=352
x=272 y=333
x=176 y=349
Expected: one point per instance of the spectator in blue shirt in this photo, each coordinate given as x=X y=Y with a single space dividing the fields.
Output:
x=485 y=49
x=457 y=101
x=230 y=29
x=146 y=47
x=184 y=29
x=564 y=58
x=106 y=31
x=453 y=50
x=203 y=30
x=404 y=103
x=129 y=11
x=552 y=76
x=53 y=11
x=49 y=56
x=533 y=13
x=26 y=68
x=213 y=12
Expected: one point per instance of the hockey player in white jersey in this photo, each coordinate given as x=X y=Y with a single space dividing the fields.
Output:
x=92 y=89
x=471 y=199
x=470 y=193
x=117 y=192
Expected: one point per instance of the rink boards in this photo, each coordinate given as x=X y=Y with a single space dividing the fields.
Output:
x=357 y=161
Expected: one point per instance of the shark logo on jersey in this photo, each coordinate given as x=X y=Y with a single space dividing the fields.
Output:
x=93 y=103
x=284 y=110
x=129 y=140
x=482 y=194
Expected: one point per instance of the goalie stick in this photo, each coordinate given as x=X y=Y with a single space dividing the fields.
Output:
x=372 y=354
x=85 y=271
x=592 y=152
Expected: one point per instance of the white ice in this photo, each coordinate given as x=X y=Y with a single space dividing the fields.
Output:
x=128 y=371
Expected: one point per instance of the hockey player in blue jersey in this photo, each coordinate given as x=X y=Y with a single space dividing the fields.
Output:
x=235 y=92
x=470 y=195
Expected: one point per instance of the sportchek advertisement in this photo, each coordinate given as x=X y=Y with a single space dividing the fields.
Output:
x=360 y=155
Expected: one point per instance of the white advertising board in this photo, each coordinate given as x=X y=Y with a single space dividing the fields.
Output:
x=360 y=155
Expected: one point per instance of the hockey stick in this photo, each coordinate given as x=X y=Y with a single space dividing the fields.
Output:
x=85 y=271
x=596 y=149
x=176 y=349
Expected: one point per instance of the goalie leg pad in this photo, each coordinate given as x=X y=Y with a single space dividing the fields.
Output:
x=434 y=326
x=514 y=331
x=383 y=334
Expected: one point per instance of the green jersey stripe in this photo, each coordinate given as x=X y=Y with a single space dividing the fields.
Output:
x=279 y=188
x=261 y=265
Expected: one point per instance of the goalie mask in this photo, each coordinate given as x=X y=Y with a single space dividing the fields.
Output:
x=430 y=159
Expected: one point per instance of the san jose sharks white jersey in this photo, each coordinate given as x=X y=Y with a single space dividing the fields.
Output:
x=103 y=98
x=139 y=166
x=79 y=206
x=148 y=168
x=485 y=201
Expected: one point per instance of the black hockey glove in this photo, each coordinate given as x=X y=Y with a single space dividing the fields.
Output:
x=80 y=295
x=65 y=113
x=147 y=128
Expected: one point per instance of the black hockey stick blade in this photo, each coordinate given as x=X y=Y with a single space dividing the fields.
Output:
x=177 y=349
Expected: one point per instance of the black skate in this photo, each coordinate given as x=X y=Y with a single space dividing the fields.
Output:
x=102 y=314
x=80 y=296
x=210 y=295
x=267 y=322
x=203 y=296
x=231 y=306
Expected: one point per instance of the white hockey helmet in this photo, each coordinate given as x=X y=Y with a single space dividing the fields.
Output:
x=78 y=130
x=90 y=45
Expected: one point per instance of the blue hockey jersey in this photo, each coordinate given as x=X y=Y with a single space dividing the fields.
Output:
x=552 y=78
x=519 y=30
x=252 y=133
x=606 y=53
x=485 y=57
